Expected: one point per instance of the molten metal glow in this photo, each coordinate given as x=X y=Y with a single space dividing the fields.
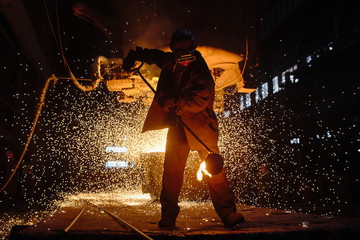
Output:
x=121 y=197
x=202 y=170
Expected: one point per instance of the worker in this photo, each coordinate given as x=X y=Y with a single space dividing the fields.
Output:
x=185 y=88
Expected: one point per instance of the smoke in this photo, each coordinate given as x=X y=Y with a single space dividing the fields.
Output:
x=142 y=25
x=154 y=34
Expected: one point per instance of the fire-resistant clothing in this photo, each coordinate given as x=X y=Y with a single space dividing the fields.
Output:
x=192 y=88
x=191 y=91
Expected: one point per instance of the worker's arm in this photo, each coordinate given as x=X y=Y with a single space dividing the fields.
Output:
x=149 y=56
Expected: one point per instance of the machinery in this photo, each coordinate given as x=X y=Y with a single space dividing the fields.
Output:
x=223 y=65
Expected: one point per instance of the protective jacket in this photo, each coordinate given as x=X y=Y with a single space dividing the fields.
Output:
x=192 y=89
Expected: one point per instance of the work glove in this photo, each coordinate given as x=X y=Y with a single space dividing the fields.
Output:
x=132 y=57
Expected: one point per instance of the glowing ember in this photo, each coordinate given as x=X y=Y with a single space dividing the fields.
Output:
x=202 y=170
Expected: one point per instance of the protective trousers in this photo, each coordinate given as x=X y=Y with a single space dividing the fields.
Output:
x=177 y=151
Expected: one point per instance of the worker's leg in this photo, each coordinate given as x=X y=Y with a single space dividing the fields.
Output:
x=222 y=196
x=177 y=151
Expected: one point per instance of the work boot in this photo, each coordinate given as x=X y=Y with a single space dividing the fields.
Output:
x=233 y=220
x=166 y=223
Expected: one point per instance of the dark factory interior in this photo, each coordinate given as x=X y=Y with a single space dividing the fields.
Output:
x=289 y=128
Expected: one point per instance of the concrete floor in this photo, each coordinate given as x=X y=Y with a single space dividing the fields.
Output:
x=197 y=220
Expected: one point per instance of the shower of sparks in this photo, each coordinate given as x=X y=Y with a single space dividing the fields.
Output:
x=78 y=129
x=69 y=150
x=68 y=154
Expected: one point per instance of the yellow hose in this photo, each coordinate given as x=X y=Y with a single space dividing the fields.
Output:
x=39 y=107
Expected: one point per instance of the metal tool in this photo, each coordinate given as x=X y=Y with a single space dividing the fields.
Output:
x=214 y=161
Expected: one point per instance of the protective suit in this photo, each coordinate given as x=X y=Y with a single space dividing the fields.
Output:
x=189 y=92
x=192 y=88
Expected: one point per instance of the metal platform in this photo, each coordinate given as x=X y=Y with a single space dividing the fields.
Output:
x=197 y=220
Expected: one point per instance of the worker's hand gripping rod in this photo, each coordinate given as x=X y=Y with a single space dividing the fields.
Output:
x=216 y=160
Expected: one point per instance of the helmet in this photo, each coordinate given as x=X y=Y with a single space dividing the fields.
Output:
x=183 y=45
x=183 y=34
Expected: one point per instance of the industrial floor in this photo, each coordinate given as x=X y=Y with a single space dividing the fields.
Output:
x=197 y=220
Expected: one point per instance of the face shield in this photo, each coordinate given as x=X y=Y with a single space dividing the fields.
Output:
x=185 y=56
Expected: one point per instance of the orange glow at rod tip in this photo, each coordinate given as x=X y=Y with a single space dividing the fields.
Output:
x=202 y=170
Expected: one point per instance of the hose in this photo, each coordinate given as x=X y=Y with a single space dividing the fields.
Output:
x=38 y=110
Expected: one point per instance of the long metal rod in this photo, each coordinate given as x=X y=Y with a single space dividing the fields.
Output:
x=177 y=116
x=76 y=218
x=142 y=77
x=121 y=221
